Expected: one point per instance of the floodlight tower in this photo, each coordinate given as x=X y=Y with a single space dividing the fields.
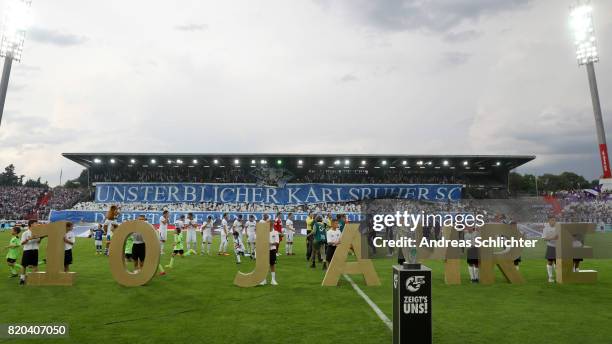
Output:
x=581 y=21
x=14 y=25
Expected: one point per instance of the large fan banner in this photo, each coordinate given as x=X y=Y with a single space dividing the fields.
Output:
x=290 y=194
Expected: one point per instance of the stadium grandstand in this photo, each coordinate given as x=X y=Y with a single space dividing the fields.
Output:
x=481 y=176
x=147 y=184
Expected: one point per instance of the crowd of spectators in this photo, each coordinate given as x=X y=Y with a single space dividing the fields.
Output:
x=24 y=202
x=17 y=202
x=594 y=211
x=348 y=207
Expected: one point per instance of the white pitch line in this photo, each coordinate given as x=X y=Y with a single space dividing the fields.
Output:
x=374 y=307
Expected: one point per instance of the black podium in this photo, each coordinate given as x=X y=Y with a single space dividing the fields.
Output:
x=411 y=304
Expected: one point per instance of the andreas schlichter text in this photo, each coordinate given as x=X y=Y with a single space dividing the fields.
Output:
x=477 y=242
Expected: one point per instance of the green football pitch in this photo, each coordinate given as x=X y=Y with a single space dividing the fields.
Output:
x=196 y=302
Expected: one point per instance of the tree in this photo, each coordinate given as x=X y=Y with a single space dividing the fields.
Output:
x=36 y=183
x=9 y=177
x=79 y=182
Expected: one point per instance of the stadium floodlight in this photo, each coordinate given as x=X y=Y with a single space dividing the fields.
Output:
x=404 y=162
x=279 y=162
x=153 y=161
x=347 y=162
x=337 y=162
x=263 y=161
x=179 y=161
x=14 y=25
x=132 y=161
x=321 y=162
x=581 y=22
x=169 y=161
x=195 y=161
x=112 y=161
x=363 y=162
x=300 y=162
x=384 y=162
x=445 y=162
x=216 y=161
x=498 y=163
x=237 y=162
x=420 y=162
x=465 y=163
x=97 y=161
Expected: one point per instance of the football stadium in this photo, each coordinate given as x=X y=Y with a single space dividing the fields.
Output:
x=411 y=172
x=192 y=296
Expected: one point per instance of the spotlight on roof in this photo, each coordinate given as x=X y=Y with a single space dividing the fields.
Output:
x=169 y=161
x=236 y=162
x=445 y=162
x=420 y=162
x=263 y=162
x=153 y=161
x=253 y=162
x=337 y=162
x=465 y=163
x=363 y=162
x=384 y=162
x=279 y=162
x=179 y=161
x=300 y=162
x=97 y=161
x=347 y=162
x=404 y=162
x=216 y=161
x=132 y=161
x=112 y=161
x=195 y=161
x=498 y=163
x=321 y=162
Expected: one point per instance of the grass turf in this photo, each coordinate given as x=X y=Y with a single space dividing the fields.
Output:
x=197 y=302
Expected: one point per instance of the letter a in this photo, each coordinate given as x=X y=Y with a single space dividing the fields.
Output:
x=338 y=266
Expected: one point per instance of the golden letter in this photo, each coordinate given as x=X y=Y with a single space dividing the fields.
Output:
x=262 y=263
x=504 y=259
x=566 y=253
x=451 y=255
x=339 y=265
x=151 y=262
x=55 y=274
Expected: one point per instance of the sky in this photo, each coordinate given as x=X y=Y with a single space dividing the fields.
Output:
x=304 y=76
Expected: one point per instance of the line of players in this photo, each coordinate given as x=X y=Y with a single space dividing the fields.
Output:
x=185 y=234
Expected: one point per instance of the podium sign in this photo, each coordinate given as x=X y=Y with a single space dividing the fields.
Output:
x=411 y=304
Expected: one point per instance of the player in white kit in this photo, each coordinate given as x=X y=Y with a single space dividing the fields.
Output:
x=251 y=225
x=192 y=238
x=207 y=228
x=224 y=233
x=289 y=232
x=237 y=230
x=163 y=229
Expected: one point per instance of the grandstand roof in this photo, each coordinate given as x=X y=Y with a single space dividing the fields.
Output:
x=470 y=162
